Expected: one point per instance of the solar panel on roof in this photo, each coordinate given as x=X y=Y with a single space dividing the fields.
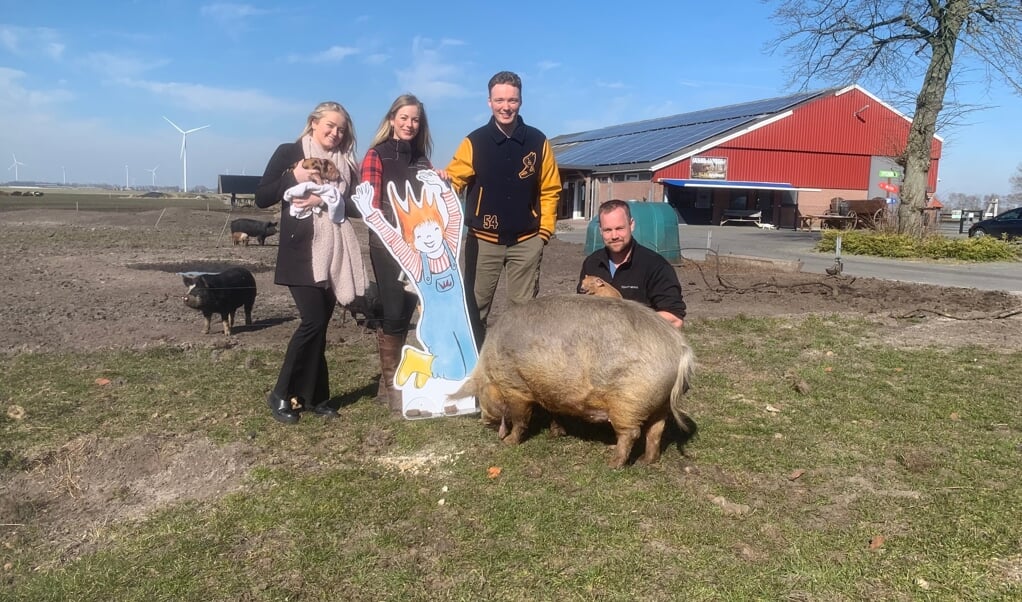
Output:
x=653 y=139
x=643 y=146
x=746 y=109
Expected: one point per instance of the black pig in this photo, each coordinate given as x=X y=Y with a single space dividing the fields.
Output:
x=222 y=293
x=257 y=229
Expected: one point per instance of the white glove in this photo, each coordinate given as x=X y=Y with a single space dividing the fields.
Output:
x=363 y=198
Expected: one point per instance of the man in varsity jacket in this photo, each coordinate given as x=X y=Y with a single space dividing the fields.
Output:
x=507 y=174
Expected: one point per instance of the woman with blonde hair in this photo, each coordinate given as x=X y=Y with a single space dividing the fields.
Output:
x=318 y=257
x=401 y=148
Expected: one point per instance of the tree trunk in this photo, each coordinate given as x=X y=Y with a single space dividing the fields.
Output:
x=929 y=102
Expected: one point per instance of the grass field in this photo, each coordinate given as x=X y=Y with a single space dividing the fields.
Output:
x=828 y=466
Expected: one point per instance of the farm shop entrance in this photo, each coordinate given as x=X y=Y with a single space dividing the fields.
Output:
x=706 y=201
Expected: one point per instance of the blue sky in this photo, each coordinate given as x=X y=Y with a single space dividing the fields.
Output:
x=84 y=86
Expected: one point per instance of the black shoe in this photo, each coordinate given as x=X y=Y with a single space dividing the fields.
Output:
x=281 y=409
x=323 y=409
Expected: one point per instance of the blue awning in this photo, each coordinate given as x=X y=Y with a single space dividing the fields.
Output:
x=734 y=184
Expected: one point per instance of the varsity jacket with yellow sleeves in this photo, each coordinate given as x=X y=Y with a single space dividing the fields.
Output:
x=510 y=183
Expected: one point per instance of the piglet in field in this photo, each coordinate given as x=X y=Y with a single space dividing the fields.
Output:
x=601 y=359
x=222 y=293
x=254 y=228
x=594 y=285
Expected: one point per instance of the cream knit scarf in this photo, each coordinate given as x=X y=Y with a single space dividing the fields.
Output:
x=336 y=255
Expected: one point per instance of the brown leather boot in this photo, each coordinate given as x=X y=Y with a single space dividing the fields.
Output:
x=390 y=356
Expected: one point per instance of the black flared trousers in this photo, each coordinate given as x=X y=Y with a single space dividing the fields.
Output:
x=304 y=373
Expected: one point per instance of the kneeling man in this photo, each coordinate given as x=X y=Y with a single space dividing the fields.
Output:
x=638 y=273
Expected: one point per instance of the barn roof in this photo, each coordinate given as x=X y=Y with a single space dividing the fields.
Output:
x=646 y=142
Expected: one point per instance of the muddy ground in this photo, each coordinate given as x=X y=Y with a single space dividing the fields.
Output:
x=94 y=280
x=109 y=280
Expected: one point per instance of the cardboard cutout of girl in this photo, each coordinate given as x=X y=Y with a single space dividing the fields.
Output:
x=427 y=244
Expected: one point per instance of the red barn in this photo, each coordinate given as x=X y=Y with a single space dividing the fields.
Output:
x=777 y=158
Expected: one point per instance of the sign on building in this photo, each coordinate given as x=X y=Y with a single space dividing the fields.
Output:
x=709 y=168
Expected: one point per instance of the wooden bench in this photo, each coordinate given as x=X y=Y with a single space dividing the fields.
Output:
x=741 y=215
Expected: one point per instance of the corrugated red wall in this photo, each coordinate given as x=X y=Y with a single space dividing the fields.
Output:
x=827 y=143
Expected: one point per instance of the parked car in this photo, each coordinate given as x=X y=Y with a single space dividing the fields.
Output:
x=1007 y=224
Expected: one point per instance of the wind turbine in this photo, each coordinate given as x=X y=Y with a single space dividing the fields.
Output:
x=14 y=166
x=184 y=150
x=153 y=171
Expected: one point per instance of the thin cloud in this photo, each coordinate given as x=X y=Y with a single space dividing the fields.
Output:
x=430 y=76
x=226 y=11
x=116 y=66
x=16 y=97
x=233 y=19
x=694 y=83
x=9 y=39
x=614 y=110
x=662 y=109
x=209 y=98
x=333 y=54
x=376 y=59
x=25 y=41
x=611 y=85
x=548 y=65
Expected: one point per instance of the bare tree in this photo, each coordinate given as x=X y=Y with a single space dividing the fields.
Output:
x=893 y=43
x=1016 y=180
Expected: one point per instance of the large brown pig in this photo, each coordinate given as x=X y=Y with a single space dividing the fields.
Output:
x=598 y=358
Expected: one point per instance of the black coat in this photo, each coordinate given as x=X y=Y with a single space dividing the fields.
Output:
x=646 y=277
x=294 y=254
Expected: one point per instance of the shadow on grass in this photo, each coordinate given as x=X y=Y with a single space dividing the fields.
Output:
x=258 y=325
x=604 y=432
x=348 y=398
